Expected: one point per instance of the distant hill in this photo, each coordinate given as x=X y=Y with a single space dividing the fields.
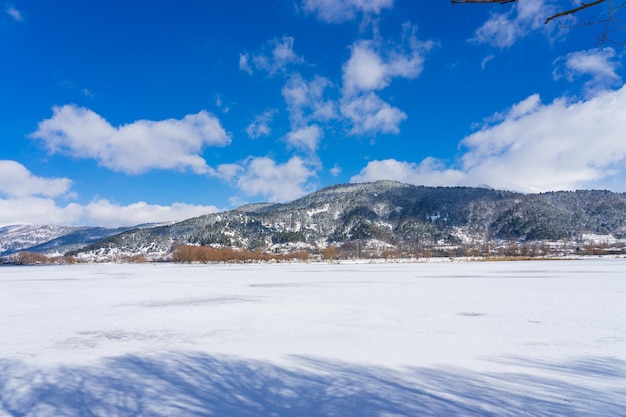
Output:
x=50 y=239
x=388 y=214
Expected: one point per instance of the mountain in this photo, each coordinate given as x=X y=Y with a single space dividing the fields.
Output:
x=386 y=214
x=50 y=239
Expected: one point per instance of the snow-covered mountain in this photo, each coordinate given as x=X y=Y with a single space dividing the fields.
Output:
x=50 y=239
x=386 y=213
x=23 y=236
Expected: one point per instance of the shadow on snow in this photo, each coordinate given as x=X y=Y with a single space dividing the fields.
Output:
x=200 y=385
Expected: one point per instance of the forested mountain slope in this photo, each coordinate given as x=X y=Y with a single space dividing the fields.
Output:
x=389 y=213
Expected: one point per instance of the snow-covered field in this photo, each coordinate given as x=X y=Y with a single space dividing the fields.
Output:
x=434 y=339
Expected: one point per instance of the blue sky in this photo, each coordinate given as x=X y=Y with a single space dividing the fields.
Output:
x=124 y=112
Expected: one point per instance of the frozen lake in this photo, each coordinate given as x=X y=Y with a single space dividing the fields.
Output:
x=472 y=338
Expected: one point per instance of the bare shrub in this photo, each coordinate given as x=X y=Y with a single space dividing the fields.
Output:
x=30 y=258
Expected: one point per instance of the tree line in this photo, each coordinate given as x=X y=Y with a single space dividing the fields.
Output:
x=183 y=253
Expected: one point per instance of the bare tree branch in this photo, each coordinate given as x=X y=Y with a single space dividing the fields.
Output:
x=609 y=20
x=572 y=11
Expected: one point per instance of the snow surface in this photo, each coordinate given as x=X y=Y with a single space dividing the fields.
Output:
x=436 y=339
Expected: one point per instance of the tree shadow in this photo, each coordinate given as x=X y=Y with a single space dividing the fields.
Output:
x=194 y=384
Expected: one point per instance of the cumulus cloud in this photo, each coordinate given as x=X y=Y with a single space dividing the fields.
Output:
x=17 y=181
x=305 y=138
x=524 y=107
x=101 y=212
x=335 y=170
x=273 y=57
x=429 y=172
x=32 y=199
x=27 y=198
x=306 y=100
x=262 y=176
x=503 y=29
x=136 y=147
x=368 y=114
x=599 y=64
x=38 y=210
x=372 y=66
x=365 y=70
x=14 y=13
x=334 y=11
x=260 y=126
x=533 y=147
x=307 y=104
x=227 y=172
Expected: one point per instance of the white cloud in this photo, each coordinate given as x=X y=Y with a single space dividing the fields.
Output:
x=236 y=201
x=36 y=210
x=306 y=102
x=17 y=181
x=533 y=147
x=244 y=63
x=502 y=30
x=335 y=170
x=272 y=58
x=31 y=199
x=365 y=70
x=262 y=176
x=371 y=67
x=499 y=30
x=428 y=172
x=283 y=53
x=136 y=147
x=305 y=138
x=368 y=114
x=334 y=11
x=260 y=126
x=104 y=213
x=524 y=107
x=219 y=103
x=599 y=64
x=373 y=64
x=14 y=13
x=227 y=171
x=485 y=61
